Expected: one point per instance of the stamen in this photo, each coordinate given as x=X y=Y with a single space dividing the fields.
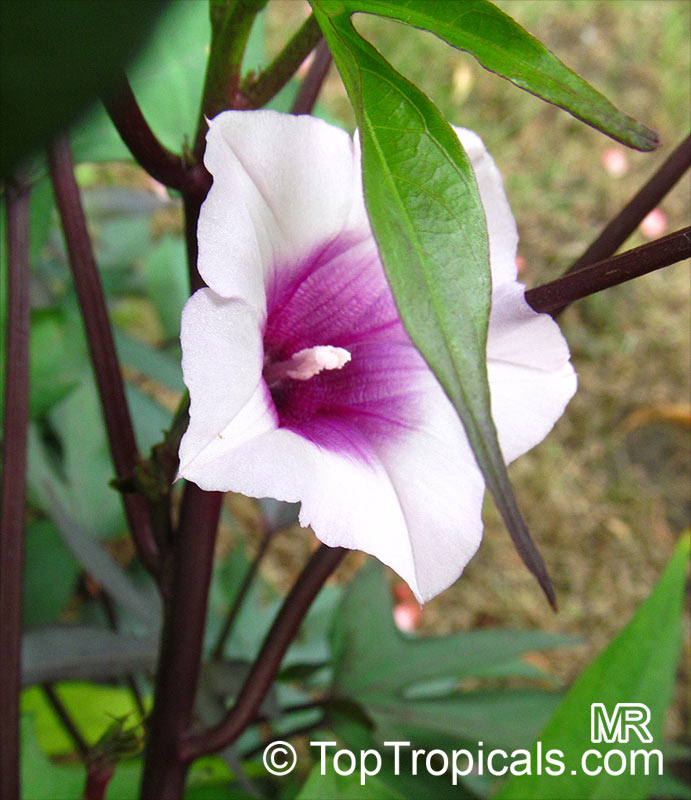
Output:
x=307 y=363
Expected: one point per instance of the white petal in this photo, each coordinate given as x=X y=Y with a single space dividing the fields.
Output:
x=347 y=502
x=526 y=403
x=415 y=505
x=283 y=187
x=440 y=491
x=222 y=359
x=519 y=335
x=501 y=226
x=530 y=375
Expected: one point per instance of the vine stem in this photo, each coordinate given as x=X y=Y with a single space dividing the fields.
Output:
x=92 y=302
x=281 y=70
x=231 y=23
x=312 y=84
x=15 y=423
x=66 y=720
x=125 y=114
x=553 y=297
x=265 y=668
x=618 y=230
x=181 y=645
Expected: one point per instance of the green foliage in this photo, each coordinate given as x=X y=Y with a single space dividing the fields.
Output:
x=55 y=59
x=638 y=666
x=41 y=778
x=344 y=787
x=386 y=685
x=94 y=707
x=50 y=573
x=409 y=686
x=503 y=47
x=167 y=80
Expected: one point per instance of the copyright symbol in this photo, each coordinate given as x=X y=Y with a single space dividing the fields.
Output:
x=279 y=758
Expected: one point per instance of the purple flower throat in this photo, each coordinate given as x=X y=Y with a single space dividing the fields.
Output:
x=338 y=363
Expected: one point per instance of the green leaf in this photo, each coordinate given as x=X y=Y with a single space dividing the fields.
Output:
x=167 y=80
x=40 y=777
x=427 y=217
x=504 y=47
x=58 y=360
x=50 y=573
x=92 y=707
x=164 y=271
x=86 y=462
x=374 y=657
x=638 y=666
x=48 y=492
x=161 y=366
x=344 y=787
x=64 y=652
x=375 y=665
x=55 y=59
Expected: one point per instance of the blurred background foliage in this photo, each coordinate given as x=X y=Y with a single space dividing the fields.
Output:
x=606 y=495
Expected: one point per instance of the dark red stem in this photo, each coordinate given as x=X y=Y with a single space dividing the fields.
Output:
x=181 y=646
x=630 y=217
x=270 y=82
x=316 y=75
x=192 y=204
x=66 y=720
x=123 y=447
x=552 y=297
x=13 y=483
x=162 y=164
x=97 y=780
x=286 y=625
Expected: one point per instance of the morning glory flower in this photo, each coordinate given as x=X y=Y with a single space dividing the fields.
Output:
x=304 y=385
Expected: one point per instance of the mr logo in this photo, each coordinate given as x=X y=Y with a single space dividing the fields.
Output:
x=626 y=717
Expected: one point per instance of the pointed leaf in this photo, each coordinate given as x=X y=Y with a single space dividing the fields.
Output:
x=638 y=666
x=51 y=494
x=502 y=46
x=372 y=658
x=73 y=653
x=429 y=224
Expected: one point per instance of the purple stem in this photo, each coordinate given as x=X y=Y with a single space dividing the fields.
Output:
x=265 y=668
x=13 y=483
x=123 y=447
x=181 y=646
x=191 y=204
x=270 y=82
x=630 y=217
x=552 y=297
x=67 y=722
x=162 y=164
x=316 y=75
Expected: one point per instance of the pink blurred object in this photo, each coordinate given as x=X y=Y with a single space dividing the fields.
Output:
x=158 y=188
x=655 y=224
x=407 y=610
x=615 y=161
x=520 y=264
x=406 y=617
x=303 y=69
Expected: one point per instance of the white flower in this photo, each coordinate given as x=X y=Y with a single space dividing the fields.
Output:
x=304 y=385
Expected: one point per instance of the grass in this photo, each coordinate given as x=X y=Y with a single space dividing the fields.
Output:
x=606 y=494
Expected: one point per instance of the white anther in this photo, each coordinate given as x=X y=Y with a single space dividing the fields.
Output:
x=307 y=363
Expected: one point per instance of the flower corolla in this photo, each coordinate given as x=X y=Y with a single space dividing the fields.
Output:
x=304 y=385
